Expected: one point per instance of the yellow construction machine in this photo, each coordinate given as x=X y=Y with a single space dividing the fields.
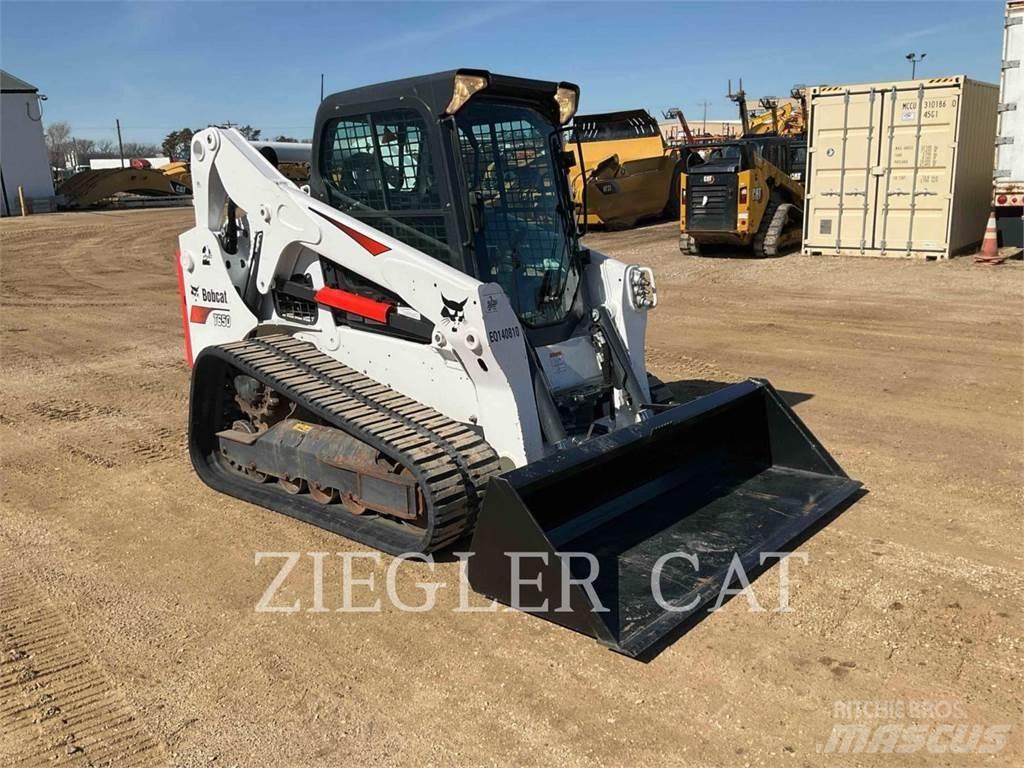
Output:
x=625 y=171
x=87 y=189
x=741 y=192
x=772 y=116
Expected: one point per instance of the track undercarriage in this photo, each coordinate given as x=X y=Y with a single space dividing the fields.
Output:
x=280 y=424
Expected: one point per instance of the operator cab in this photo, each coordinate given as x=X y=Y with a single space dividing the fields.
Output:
x=468 y=167
x=785 y=153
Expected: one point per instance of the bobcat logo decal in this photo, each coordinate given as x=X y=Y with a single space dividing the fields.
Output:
x=195 y=291
x=453 y=312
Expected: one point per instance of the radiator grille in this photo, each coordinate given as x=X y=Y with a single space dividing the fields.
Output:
x=711 y=206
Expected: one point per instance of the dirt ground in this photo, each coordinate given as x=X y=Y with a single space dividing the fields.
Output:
x=128 y=628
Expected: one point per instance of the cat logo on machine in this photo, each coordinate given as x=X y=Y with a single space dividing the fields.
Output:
x=708 y=179
x=453 y=312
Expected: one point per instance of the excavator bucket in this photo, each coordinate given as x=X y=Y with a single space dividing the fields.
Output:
x=629 y=535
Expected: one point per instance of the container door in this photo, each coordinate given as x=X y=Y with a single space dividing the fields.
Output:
x=1010 y=152
x=919 y=127
x=840 y=171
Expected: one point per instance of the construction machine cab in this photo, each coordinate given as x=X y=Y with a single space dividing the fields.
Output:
x=468 y=167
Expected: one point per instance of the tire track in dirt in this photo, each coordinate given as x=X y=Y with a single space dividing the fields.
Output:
x=57 y=705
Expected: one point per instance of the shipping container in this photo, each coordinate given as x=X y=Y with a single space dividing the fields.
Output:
x=1008 y=177
x=899 y=169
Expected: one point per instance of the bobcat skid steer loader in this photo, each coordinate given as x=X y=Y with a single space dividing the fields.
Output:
x=418 y=350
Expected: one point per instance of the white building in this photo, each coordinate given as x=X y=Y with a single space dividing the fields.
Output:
x=23 y=159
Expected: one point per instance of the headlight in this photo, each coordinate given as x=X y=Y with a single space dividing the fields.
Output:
x=464 y=87
x=567 y=97
x=642 y=292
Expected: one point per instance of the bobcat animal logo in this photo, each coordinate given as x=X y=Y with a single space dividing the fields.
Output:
x=453 y=312
x=195 y=291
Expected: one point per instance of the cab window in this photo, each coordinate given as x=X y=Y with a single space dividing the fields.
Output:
x=378 y=168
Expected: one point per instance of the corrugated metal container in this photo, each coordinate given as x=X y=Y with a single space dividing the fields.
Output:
x=1009 y=172
x=900 y=169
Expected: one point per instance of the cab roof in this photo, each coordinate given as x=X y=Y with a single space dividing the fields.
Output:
x=435 y=91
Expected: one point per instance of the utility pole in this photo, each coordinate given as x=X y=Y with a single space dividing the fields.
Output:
x=705 y=104
x=913 y=58
x=120 y=144
x=321 y=86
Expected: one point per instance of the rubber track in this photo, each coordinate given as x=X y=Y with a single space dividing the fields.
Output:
x=451 y=462
x=773 y=227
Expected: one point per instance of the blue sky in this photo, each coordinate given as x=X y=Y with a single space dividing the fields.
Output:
x=159 y=66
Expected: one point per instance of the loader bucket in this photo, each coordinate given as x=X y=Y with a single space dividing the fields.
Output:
x=734 y=473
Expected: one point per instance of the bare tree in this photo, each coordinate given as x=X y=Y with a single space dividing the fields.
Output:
x=83 y=148
x=137 y=149
x=58 y=139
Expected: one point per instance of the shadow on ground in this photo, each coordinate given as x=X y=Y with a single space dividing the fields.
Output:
x=685 y=390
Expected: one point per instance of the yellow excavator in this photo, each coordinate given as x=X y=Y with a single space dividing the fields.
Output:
x=625 y=170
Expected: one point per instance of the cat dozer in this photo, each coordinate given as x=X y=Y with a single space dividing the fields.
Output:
x=420 y=353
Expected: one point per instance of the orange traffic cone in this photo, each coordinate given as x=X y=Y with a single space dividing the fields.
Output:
x=989 y=253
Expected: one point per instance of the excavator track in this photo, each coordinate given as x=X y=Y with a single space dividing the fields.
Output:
x=450 y=462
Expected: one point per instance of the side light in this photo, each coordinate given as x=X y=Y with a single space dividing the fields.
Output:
x=567 y=97
x=642 y=292
x=743 y=195
x=464 y=87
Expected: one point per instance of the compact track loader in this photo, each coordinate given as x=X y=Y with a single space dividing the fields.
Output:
x=419 y=350
x=743 y=192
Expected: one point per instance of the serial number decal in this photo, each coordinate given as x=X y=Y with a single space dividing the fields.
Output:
x=503 y=334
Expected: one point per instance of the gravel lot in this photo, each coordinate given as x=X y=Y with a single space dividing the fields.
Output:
x=127 y=588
